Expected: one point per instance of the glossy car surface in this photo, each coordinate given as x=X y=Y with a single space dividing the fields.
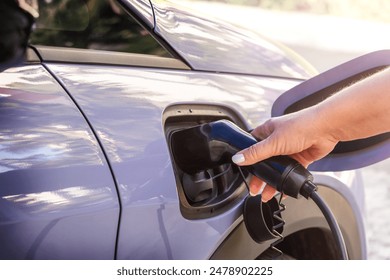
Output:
x=85 y=165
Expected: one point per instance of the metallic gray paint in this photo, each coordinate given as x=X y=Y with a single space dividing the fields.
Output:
x=57 y=197
x=125 y=106
x=210 y=45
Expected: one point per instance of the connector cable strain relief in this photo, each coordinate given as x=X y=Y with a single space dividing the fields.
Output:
x=308 y=189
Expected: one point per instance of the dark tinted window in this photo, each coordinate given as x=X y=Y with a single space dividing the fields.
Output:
x=92 y=24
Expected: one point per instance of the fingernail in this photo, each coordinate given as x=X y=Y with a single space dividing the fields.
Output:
x=266 y=198
x=262 y=187
x=238 y=158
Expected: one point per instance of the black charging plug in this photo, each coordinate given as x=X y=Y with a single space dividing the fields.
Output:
x=285 y=174
x=210 y=145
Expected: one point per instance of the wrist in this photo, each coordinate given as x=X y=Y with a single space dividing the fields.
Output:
x=323 y=125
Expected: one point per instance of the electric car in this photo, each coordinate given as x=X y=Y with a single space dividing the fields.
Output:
x=86 y=166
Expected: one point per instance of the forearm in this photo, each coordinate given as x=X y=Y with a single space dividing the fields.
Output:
x=358 y=111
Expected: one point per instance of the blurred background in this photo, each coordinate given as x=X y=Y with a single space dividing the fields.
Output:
x=325 y=33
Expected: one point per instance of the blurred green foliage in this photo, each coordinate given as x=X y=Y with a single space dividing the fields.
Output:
x=92 y=24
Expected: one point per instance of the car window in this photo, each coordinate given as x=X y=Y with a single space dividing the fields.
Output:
x=92 y=24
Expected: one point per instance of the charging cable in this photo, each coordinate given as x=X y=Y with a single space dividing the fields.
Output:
x=309 y=189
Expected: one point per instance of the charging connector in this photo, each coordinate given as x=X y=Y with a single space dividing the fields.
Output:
x=212 y=144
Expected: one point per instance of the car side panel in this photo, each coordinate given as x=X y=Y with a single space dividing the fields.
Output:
x=57 y=197
x=125 y=106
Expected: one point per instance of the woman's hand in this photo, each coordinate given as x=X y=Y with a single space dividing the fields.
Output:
x=296 y=135
x=358 y=111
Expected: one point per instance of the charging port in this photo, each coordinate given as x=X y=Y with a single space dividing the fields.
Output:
x=208 y=192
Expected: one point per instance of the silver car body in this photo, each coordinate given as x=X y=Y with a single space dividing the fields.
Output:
x=85 y=167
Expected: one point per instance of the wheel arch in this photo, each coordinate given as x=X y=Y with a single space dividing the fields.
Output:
x=306 y=233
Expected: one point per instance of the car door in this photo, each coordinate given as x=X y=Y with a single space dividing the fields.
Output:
x=57 y=196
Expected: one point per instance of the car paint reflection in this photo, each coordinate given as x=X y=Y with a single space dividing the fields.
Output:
x=51 y=169
x=210 y=46
x=125 y=107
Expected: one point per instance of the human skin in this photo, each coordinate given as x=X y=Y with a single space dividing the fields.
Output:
x=358 y=111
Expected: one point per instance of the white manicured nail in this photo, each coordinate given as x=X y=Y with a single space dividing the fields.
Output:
x=259 y=191
x=238 y=158
x=262 y=187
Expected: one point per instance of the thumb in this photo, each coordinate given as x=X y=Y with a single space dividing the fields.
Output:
x=253 y=154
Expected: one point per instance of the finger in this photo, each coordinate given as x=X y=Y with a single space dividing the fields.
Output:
x=261 y=150
x=301 y=159
x=256 y=186
x=268 y=193
x=264 y=130
x=254 y=153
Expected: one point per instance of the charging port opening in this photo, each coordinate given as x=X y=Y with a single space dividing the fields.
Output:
x=208 y=192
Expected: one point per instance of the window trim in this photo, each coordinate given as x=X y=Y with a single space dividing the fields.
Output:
x=89 y=56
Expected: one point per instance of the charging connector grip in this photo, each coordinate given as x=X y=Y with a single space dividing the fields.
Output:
x=209 y=145
x=282 y=171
